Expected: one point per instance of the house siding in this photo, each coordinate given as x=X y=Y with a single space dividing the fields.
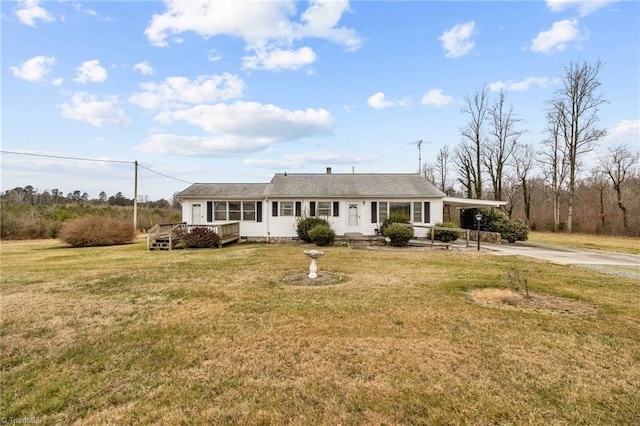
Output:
x=285 y=226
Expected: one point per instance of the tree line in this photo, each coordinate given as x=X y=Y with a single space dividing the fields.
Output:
x=544 y=185
x=30 y=196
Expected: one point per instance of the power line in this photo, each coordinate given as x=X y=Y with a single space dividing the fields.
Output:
x=65 y=157
x=93 y=159
x=163 y=175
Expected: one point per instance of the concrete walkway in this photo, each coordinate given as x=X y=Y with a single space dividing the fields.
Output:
x=563 y=256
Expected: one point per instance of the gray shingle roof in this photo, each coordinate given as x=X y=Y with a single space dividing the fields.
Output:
x=351 y=185
x=319 y=185
x=226 y=190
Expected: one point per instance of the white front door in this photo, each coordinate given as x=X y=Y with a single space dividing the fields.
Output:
x=353 y=217
x=196 y=214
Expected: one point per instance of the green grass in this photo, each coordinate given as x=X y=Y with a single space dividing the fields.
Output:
x=119 y=335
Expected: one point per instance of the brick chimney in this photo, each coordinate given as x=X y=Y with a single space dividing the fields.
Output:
x=328 y=170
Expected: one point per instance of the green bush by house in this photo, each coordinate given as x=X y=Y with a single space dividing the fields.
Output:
x=322 y=235
x=399 y=235
x=446 y=236
x=306 y=224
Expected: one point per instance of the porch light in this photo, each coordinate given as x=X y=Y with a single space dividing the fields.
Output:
x=478 y=219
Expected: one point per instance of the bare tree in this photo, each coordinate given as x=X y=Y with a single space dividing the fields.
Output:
x=438 y=171
x=477 y=107
x=576 y=108
x=466 y=170
x=523 y=164
x=554 y=163
x=442 y=168
x=429 y=172
x=500 y=146
x=617 y=165
x=597 y=180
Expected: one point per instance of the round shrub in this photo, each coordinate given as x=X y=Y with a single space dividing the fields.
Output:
x=513 y=230
x=198 y=237
x=93 y=231
x=399 y=235
x=304 y=225
x=322 y=235
x=394 y=217
x=495 y=220
x=446 y=236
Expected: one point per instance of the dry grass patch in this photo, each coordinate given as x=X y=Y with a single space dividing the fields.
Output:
x=119 y=335
x=627 y=245
x=506 y=298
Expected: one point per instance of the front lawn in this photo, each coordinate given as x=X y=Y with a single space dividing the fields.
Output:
x=119 y=335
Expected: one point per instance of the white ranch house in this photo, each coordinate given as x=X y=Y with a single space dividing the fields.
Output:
x=353 y=203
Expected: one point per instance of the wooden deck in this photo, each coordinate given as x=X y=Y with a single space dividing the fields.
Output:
x=164 y=236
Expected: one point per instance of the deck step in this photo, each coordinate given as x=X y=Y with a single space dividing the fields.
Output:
x=160 y=245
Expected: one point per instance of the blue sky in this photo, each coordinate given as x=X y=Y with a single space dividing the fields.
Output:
x=235 y=91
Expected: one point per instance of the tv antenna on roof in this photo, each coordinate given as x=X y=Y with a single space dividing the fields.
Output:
x=419 y=143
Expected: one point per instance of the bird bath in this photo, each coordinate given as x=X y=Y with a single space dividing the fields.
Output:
x=313 y=268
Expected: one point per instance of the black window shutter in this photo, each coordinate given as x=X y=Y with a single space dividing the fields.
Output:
x=258 y=211
x=336 y=208
x=312 y=208
x=374 y=212
x=298 y=208
x=209 y=211
x=427 y=212
x=274 y=208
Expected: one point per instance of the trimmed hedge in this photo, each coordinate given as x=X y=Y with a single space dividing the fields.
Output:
x=93 y=231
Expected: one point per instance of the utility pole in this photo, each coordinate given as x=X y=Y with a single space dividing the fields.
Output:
x=135 y=197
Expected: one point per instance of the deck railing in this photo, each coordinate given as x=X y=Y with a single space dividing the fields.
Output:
x=432 y=230
x=227 y=232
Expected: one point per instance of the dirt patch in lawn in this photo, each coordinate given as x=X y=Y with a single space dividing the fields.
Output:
x=324 y=278
x=506 y=298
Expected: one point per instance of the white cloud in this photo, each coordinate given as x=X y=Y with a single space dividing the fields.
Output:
x=34 y=69
x=201 y=146
x=87 y=108
x=87 y=11
x=28 y=11
x=252 y=120
x=436 y=97
x=626 y=131
x=237 y=129
x=265 y=27
x=378 y=101
x=297 y=161
x=457 y=41
x=144 y=67
x=321 y=20
x=278 y=59
x=177 y=91
x=556 y=38
x=519 y=86
x=213 y=55
x=91 y=71
x=585 y=7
